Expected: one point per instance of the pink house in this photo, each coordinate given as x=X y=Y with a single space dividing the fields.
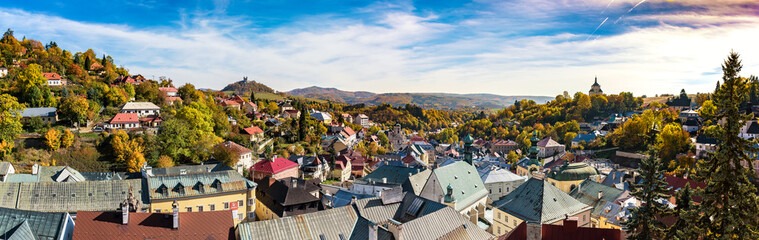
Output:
x=276 y=168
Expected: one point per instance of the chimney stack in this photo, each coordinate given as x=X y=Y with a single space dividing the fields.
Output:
x=294 y=182
x=353 y=199
x=372 y=230
x=384 y=180
x=600 y=194
x=35 y=169
x=125 y=213
x=175 y=208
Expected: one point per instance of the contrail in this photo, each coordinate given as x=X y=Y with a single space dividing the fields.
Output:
x=599 y=26
x=636 y=5
x=607 y=6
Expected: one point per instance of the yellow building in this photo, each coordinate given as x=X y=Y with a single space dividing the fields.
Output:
x=568 y=176
x=201 y=188
x=536 y=201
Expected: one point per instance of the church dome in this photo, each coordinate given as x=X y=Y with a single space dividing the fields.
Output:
x=572 y=172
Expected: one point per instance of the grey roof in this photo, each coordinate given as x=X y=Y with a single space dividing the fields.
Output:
x=613 y=178
x=330 y=224
x=321 y=116
x=189 y=185
x=190 y=169
x=442 y=223
x=490 y=175
x=70 y=196
x=587 y=193
x=39 y=112
x=361 y=231
x=416 y=182
x=21 y=224
x=140 y=106
x=4 y=167
x=395 y=175
x=753 y=128
x=465 y=181
x=538 y=201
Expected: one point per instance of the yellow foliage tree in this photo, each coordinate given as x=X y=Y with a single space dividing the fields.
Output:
x=127 y=151
x=164 y=162
x=52 y=139
x=67 y=139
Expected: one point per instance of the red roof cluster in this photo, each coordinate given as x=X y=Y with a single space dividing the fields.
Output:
x=676 y=183
x=274 y=166
x=252 y=130
x=51 y=76
x=125 y=118
x=192 y=225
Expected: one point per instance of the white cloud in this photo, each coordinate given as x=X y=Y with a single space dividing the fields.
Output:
x=404 y=52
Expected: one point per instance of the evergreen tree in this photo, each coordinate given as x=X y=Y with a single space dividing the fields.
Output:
x=302 y=124
x=104 y=61
x=87 y=63
x=685 y=227
x=643 y=222
x=253 y=96
x=729 y=203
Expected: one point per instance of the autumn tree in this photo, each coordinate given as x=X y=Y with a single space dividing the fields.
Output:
x=67 y=138
x=672 y=140
x=10 y=122
x=126 y=151
x=29 y=81
x=226 y=155
x=75 y=109
x=52 y=139
x=729 y=203
x=164 y=162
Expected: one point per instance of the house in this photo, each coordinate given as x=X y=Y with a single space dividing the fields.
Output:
x=169 y=91
x=286 y=197
x=53 y=79
x=548 y=147
x=457 y=185
x=23 y=224
x=244 y=155
x=229 y=104
x=292 y=113
x=500 y=182
x=603 y=199
x=173 y=224
x=342 y=170
x=750 y=130
x=142 y=109
x=124 y=121
x=200 y=188
x=383 y=178
x=675 y=183
x=312 y=166
x=503 y=146
x=95 y=67
x=285 y=105
x=275 y=168
x=152 y=121
x=628 y=159
x=362 y=120
x=692 y=125
x=134 y=80
x=6 y=169
x=254 y=133
x=3 y=72
x=250 y=107
x=536 y=201
x=569 y=175
x=567 y=230
x=685 y=114
x=345 y=140
x=48 y=115
x=680 y=102
x=347 y=117
x=323 y=117
x=705 y=144
x=580 y=138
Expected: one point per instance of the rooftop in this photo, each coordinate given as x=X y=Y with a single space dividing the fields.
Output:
x=274 y=166
x=189 y=185
x=465 y=181
x=538 y=201
x=125 y=118
x=192 y=225
x=22 y=224
x=140 y=106
x=39 y=112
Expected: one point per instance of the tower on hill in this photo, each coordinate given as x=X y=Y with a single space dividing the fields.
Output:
x=595 y=89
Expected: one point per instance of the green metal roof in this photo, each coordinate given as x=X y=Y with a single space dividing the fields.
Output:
x=572 y=172
x=538 y=201
x=587 y=193
x=465 y=181
x=396 y=175
x=21 y=224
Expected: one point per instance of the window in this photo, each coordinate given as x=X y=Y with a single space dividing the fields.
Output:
x=251 y=201
x=226 y=205
x=240 y=203
x=200 y=208
x=515 y=222
x=500 y=190
x=212 y=207
x=251 y=215
x=240 y=216
x=189 y=209
x=490 y=190
x=158 y=210
x=498 y=215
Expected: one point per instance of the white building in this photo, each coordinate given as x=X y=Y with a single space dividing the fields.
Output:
x=499 y=181
x=362 y=120
x=142 y=109
x=53 y=79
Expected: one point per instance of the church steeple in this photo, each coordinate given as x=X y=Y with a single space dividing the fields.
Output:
x=595 y=89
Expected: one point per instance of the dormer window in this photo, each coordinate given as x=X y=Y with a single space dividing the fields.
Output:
x=163 y=190
x=179 y=188
x=200 y=187
x=217 y=184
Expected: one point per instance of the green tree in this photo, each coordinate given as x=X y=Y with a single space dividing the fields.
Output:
x=302 y=124
x=643 y=222
x=10 y=122
x=75 y=108
x=685 y=211
x=225 y=155
x=672 y=140
x=729 y=203
x=52 y=139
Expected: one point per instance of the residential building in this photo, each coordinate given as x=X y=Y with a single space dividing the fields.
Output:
x=503 y=146
x=152 y=121
x=6 y=168
x=23 y=224
x=500 y=182
x=276 y=168
x=291 y=113
x=250 y=107
x=567 y=230
x=253 y=133
x=347 y=117
x=685 y=114
x=171 y=224
x=134 y=80
x=750 y=130
x=124 y=121
x=383 y=178
x=580 y=138
x=48 y=115
x=362 y=120
x=229 y=104
x=169 y=91
x=199 y=189
x=680 y=102
x=285 y=105
x=705 y=145
x=601 y=198
x=53 y=79
x=312 y=166
x=548 y=147
x=693 y=125
x=569 y=175
x=69 y=196
x=142 y=109
x=457 y=185
x=595 y=89
x=342 y=171
x=323 y=117
x=244 y=155
x=536 y=201
x=286 y=197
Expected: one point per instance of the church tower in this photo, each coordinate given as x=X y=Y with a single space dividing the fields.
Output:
x=595 y=89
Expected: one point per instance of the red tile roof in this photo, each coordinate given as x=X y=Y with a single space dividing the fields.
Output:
x=192 y=225
x=677 y=183
x=349 y=131
x=228 y=103
x=274 y=166
x=51 y=76
x=167 y=89
x=95 y=66
x=408 y=159
x=565 y=232
x=172 y=99
x=125 y=118
x=341 y=162
x=252 y=130
x=239 y=149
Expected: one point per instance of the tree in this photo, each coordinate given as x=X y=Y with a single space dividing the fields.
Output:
x=643 y=222
x=164 y=162
x=672 y=140
x=128 y=152
x=30 y=78
x=10 y=122
x=512 y=157
x=75 y=109
x=302 y=125
x=52 y=139
x=67 y=138
x=226 y=155
x=273 y=109
x=685 y=226
x=729 y=203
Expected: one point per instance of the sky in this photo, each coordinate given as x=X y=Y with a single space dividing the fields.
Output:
x=506 y=47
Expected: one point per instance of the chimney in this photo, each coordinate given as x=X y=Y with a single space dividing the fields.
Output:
x=294 y=182
x=600 y=194
x=175 y=208
x=372 y=230
x=395 y=228
x=384 y=180
x=353 y=199
x=125 y=213
x=534 y=231
x=570 y=225
x=35 y=169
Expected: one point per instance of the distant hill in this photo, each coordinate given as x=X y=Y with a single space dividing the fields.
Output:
x=246 y=86
x=425 y=100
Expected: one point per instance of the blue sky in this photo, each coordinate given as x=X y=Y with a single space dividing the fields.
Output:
x=518 y=47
